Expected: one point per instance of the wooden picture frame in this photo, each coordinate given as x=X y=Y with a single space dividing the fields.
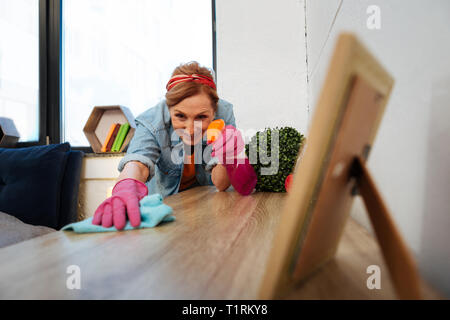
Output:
x=330 y=172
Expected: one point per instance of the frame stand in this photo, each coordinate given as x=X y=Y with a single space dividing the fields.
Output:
x=396 y=255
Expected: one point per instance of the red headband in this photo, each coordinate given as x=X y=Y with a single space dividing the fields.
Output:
x=193 y=77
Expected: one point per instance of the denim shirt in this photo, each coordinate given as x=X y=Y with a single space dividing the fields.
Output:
x=156 y=145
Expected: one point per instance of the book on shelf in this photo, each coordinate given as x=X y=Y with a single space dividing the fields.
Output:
x=123 y=131
x=111 y=137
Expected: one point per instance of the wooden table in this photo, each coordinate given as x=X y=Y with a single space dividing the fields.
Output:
x=216 y=249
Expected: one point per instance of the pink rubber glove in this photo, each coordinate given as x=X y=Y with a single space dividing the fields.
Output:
x=228 y=149
x=228 y=146
x=125 y=199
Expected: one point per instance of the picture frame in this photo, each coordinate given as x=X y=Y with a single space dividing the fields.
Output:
x=331 y=171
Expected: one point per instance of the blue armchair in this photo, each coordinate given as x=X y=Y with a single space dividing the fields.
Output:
x=39 y=185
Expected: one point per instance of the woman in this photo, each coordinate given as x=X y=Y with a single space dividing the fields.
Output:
x=166 y=155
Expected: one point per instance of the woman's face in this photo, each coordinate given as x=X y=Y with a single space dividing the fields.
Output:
x=193 y=110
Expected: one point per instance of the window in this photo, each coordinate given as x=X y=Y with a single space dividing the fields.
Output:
x=122 y=52
x=60 y=58
x=19 y=65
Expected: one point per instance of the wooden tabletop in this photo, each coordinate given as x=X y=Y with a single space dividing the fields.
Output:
x=215 y=249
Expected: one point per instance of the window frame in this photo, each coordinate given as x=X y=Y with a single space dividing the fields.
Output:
x=51 y=77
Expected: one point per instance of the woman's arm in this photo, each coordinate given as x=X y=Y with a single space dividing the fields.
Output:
x=219 y=177
x=135 y=170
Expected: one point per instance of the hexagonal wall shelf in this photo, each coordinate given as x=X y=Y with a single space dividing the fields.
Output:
x=100 y=121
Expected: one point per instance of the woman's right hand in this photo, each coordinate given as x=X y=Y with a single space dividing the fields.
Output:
x=124 y=202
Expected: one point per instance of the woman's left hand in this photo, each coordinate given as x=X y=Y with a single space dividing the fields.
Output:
x=228 y=146
x=229 y=150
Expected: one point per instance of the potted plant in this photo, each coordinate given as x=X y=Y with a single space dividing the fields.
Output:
x=290 y=143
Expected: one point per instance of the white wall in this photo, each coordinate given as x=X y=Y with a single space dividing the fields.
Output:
x=410 y=160
x=261 y=62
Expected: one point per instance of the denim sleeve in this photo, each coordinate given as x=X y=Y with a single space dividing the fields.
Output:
x=229 y=119
x=211 y=164
x=143 y=147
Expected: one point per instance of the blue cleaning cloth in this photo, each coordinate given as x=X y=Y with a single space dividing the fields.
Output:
x=153 y=212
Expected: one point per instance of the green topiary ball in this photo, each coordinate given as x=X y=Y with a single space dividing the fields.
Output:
x=290 y=143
